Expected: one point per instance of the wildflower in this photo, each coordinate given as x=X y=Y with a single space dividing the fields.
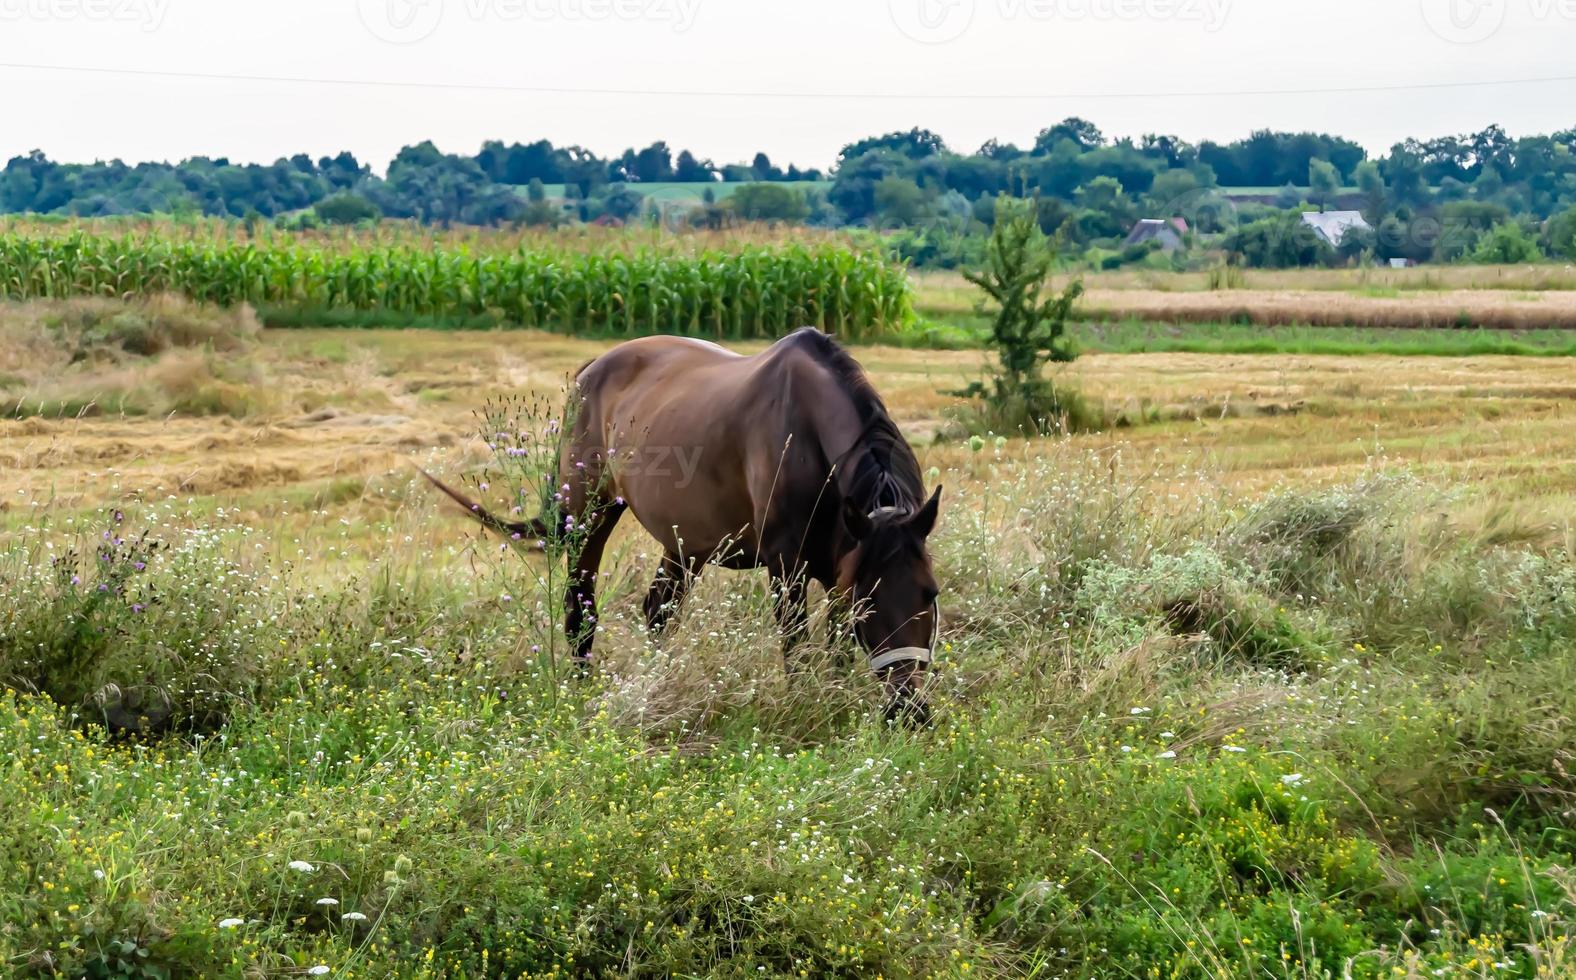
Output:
x=231 y=923
x=1292 y=779
x=1167 y=755
x=1233 y=748
x=302 y=866
x=353 y=917
x=976 y=444
x=328 y=901
x=318 y=971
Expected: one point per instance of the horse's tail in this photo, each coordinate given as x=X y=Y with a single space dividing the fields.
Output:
x=535 y=532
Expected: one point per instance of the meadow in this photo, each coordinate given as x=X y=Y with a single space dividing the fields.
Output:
x=1275 y=677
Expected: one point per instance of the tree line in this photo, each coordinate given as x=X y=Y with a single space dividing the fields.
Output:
x=1433 y=199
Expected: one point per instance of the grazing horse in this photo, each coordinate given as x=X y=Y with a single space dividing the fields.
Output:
x=786 y=460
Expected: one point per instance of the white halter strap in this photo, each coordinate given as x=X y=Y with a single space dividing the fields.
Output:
x=906 y=655
x=911 y=655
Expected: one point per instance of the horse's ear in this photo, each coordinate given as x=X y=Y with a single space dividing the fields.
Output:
x=925 y=521
x=856 y=520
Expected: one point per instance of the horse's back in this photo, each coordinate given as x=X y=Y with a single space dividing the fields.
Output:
x=699 y=430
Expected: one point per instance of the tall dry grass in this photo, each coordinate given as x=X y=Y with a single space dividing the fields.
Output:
x=149 y=356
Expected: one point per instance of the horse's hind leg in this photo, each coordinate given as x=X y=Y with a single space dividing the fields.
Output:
x=580 y=615
x=672 y=583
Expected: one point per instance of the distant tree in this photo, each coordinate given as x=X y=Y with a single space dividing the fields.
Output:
x=1560 y=234
x=762 y=166
x=346 y=209
x=1176 y=153
x=1489 y=185
x=1283 y=241
x=621 y=202
x=915 y=144
x=853 y=192
x=1174 y=191
x=1403 y=172
x=653 y=164
x=526 y=162
x=1375 y=199
x=1083 y=133
x=692 y=171
x=769 y=202
x=536 y=191
x=1324 y=182
x=1105 y=210
x=900 y=201
x=1000 y=152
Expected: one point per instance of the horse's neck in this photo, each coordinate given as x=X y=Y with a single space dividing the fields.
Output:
x=838 y=432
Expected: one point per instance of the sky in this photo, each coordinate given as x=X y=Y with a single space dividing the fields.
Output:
x=254 y=80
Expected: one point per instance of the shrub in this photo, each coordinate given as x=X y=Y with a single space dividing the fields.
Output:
x=1507 y=243
x=132 y=632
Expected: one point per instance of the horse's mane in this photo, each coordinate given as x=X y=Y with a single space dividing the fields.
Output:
x=880 y=470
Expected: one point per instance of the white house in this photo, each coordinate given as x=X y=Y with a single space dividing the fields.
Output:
x=1332 y=226
x=1167 y=231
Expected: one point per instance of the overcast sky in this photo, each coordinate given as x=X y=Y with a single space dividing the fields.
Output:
x=726 y=78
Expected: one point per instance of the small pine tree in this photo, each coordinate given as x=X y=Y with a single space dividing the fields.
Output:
x=1028 y=331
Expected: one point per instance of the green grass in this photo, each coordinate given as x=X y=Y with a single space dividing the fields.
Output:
x=1139 y=337
x=1134 y=337
x=1305 y=735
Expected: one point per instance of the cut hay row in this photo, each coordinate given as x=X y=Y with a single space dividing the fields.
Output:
x=755 y=292
x=1469 y=309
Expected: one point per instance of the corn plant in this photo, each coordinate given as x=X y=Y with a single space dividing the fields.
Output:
x=754 y=292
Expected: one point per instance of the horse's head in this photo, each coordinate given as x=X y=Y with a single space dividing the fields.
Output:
x=888 y=577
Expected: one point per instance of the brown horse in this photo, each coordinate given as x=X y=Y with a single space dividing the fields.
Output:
x=786 y=460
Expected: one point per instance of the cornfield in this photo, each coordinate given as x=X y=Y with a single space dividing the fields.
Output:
x=754 y=292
